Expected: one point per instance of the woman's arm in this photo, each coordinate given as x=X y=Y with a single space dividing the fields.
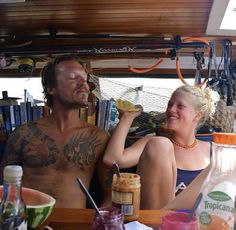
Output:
x=116 y=151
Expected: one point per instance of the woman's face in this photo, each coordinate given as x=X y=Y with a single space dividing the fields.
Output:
x=180 y=112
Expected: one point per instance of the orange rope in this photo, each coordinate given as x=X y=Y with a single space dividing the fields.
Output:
x=179 y=72
x=196 y=39
x=177 y=60
x=147 y=69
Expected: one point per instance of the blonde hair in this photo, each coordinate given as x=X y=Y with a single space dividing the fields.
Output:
x=204 y=99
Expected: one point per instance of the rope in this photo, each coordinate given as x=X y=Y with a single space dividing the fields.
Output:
x=177 y=61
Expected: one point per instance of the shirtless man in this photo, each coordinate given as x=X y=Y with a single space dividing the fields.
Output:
x=56 y=149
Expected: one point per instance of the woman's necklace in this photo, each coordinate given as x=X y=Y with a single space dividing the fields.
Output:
x=184 y=146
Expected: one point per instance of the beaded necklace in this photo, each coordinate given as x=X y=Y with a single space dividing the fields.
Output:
x=184 y=146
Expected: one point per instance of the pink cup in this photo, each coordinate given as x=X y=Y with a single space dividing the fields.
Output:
x=178 y=221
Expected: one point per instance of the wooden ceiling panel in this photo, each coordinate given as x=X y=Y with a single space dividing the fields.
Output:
x=105 y=16
x=101 y=22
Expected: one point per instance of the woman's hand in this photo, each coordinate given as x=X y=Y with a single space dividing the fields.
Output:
x=129 y=114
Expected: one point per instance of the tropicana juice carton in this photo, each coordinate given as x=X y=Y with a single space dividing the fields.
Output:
x=216 y=210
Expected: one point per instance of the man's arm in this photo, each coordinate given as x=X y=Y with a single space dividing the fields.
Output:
x=103 y=173
x=11 y=153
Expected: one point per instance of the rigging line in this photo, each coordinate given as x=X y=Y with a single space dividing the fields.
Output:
x=147 y=69
x=177 y=60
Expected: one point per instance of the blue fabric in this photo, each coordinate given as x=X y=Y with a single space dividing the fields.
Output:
x=185 y=177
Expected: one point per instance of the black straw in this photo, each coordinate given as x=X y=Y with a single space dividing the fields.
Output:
x=194 y=208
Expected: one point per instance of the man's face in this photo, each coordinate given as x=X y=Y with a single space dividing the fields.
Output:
x=71 y=89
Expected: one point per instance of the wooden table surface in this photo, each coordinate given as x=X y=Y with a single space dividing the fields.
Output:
x=71 y=219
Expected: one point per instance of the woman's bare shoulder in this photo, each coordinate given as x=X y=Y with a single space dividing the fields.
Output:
x=204 y=143
x=205 y=146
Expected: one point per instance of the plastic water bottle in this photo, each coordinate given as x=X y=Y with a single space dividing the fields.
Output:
x=13 y=213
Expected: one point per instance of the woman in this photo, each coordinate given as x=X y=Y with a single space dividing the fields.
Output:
x=167 y=164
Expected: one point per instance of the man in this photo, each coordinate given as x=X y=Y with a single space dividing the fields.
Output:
x=56 y=149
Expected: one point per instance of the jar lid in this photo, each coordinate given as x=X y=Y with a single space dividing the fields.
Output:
x=13 y=171
x=224 y=138
x=125 y=179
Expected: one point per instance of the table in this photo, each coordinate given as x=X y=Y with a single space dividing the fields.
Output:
x=71 y=219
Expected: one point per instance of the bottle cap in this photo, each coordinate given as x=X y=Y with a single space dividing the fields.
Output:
x=224 y=138
x=13 y=171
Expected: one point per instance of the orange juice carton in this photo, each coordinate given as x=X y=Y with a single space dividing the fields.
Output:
x=216 y=210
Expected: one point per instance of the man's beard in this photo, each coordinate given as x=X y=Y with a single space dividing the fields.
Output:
x=76 y=105
x=72 y=104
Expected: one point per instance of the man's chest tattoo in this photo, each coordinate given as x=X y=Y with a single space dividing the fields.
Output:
x=38 y=148
x=81 y=148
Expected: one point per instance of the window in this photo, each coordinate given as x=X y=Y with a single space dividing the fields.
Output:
x=152 y=94
x=16 y=86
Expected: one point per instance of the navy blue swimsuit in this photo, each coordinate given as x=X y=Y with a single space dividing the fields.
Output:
x=185 y=177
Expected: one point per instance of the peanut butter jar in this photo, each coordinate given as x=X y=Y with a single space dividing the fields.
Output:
x=126 y=195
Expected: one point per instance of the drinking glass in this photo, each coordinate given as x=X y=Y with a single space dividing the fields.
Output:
x=178 y=221
x=109 y=219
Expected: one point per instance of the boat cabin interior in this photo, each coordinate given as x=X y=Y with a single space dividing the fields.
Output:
x=126 y=37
